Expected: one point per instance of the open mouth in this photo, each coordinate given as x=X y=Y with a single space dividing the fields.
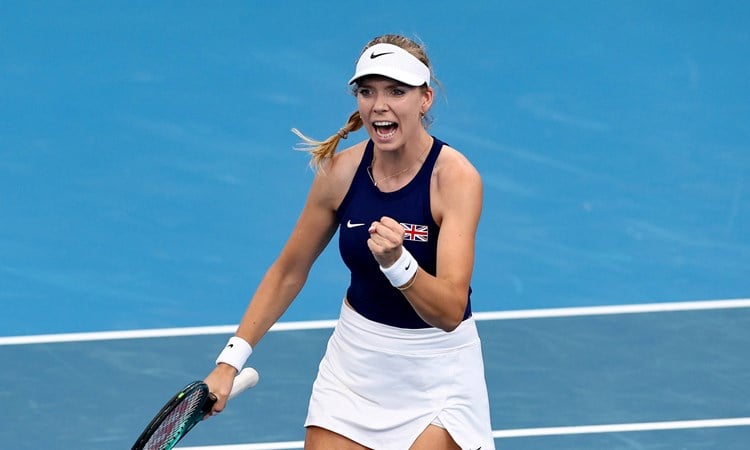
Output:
x=385 y=129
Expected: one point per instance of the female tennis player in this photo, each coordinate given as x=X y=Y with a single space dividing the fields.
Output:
x=403 y=368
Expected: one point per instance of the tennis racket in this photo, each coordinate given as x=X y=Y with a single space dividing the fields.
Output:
x=185 y=410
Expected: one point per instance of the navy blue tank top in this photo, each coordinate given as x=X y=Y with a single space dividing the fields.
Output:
x=370 y=293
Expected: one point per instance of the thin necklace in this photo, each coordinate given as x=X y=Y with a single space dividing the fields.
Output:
x=376 y=182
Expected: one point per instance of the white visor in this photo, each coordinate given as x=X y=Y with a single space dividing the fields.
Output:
x=394 y=62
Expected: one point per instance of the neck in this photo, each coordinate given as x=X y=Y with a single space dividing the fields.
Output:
x=397 y=166
x=395 y=158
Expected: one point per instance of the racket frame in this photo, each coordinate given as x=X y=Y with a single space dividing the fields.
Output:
x=246 y=379
x=206 y=402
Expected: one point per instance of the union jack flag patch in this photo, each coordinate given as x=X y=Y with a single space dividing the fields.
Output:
x=415 y=232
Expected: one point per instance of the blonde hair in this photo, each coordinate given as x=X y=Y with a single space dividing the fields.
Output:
x=323 y=150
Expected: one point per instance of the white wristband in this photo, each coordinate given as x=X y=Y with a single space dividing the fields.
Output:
x=402 y=270
x=235 y=353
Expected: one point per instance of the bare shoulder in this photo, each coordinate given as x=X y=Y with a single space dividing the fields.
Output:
x=453 y=167
x=334 y=177
x=341 y=168
x=456 y=188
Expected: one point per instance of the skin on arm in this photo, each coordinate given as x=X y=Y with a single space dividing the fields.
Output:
x=285 y=278
x=456 y=192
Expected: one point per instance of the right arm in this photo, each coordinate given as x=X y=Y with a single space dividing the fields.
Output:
x=285 y=278
x=287 y=275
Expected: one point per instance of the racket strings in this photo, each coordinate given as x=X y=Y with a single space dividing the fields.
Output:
x=176 y=423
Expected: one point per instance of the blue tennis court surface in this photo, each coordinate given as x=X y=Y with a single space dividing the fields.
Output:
x=147 y=179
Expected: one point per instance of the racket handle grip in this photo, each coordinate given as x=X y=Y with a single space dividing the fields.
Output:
x=245 y=380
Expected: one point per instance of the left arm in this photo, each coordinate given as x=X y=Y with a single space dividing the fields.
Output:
x=440 y=300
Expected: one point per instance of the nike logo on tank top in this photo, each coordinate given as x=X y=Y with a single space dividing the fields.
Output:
x=370 y=293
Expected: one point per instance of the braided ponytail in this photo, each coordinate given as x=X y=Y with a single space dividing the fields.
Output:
x=322 y=150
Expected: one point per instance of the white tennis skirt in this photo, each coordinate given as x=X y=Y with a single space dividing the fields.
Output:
x=381 y=386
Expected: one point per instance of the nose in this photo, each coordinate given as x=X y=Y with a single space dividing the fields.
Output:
x=380 y=104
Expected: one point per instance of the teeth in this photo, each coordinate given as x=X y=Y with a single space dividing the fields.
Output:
x=386 y=135
x=383 y=124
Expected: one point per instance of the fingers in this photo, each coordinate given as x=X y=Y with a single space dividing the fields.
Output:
x=392 y=225
x=219 y=404
x=386 y=239
x=383 y=238
x=387 y=231
x=219 y=383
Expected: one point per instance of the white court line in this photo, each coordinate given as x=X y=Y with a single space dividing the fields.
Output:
x=623 y=427
x=320 y=324
x=614 y=309
x=154 y=333
x=262 y=446
x=499 y=315
x=533 y=432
